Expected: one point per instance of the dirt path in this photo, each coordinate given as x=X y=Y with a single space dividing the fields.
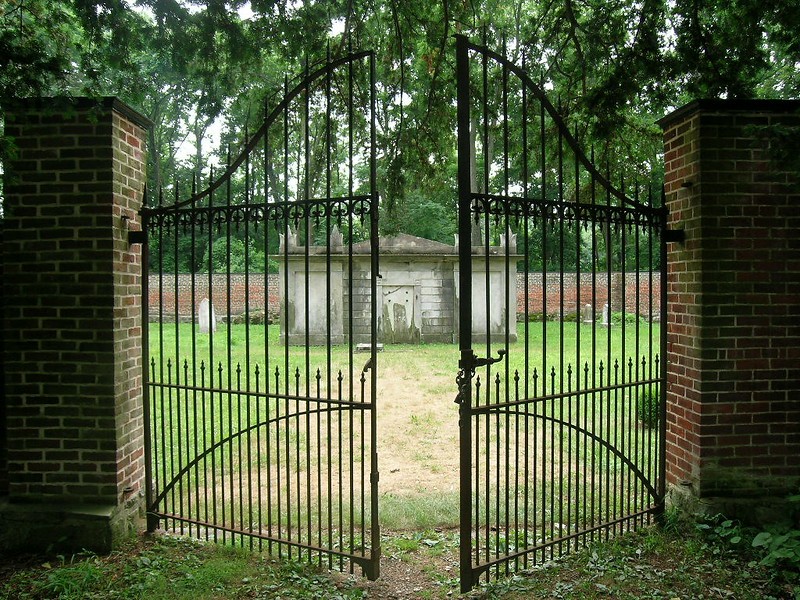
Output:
x=417 y=423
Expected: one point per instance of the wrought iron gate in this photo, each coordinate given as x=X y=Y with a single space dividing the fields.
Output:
x=562 y=422
x=261 y=427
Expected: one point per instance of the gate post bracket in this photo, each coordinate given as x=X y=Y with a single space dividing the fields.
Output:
x=675 y=235
x=137 y=237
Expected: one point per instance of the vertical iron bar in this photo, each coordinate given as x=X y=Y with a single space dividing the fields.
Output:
x=306 y=146
x=171 y=437
x=593 y=224
x=187 y=448
x=147 y=378
x=637 y=390
x=609 y=297
x=328 y=365
x=561 y=373
x=651 y=233
x=229 y=353
x=662 y=428
x=486 y=308
x=350 y=313
x=286 y=328
x=465 y=313
x=247 y=358
x=486 y=221
x=298 y=536
x=265 y=332
x=624 y=478
x=210 y=290
x=545 y=441
x=158 y=399
x=176 y=428
x=375 y=266
x=506 y=305
x=239 y=522
x=209 y=424
x=193 y=312
x=160 y=410
x=526 y=325
x=160 y=455
x=279 y=512
x=350 y=335
x=579 y=476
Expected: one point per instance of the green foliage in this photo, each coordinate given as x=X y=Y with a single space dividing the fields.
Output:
x=616 y=67
x=648 y=407
x=782 y=548
x=176 y=569
x=686 y=562
x=720 y=530
x=776 y=548
x=630 y=318
x=71 y=578
x=651 y=563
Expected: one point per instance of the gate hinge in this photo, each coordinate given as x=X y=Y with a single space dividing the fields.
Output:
x=137 y=237
x=675 y=235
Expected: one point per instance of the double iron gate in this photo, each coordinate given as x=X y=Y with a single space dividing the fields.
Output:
x=264 y=431
x=555 y=448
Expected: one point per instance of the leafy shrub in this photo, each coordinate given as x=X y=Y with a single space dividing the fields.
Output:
x=781 y=543
x=782 y=548
x=721 y=530
x=648 y=407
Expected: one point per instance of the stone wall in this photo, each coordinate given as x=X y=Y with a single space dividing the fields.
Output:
x=544 y=293
x=734 y=314
x=577 y=292
x=234 y=295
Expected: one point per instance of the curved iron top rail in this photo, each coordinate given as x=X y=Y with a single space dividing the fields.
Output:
x=328 y=68
x=519 y=411
x=229 y=439
x=538 y=92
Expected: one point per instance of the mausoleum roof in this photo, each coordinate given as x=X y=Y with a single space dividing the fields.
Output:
x=403 y=243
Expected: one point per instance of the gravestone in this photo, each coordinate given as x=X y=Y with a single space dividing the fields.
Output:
x=207 y=317
x=606 y=317
x=588 y=313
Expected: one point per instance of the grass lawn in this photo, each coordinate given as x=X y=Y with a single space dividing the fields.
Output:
x=548 y=345
x=685 y=560
x=293 y=469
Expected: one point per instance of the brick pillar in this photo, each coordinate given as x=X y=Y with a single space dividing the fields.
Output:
x=734 y=302
x=72 y=321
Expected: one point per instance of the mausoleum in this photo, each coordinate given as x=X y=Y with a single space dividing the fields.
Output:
x=417 y=291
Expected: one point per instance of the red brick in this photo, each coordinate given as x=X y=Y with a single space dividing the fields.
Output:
x=738 y=219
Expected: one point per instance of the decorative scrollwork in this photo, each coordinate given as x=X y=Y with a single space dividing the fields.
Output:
x=361 y=206
x=572 y=214
x=339 y=210
x=462 y=383
x=317 y=211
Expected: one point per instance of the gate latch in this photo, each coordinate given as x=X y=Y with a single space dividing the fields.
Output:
x=471 y=362
x=467 y=364
x=482 y=362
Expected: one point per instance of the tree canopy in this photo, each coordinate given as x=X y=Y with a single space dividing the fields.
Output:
x=615 y=65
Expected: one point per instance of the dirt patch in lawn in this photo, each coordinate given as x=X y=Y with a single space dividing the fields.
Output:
x=417 y=422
